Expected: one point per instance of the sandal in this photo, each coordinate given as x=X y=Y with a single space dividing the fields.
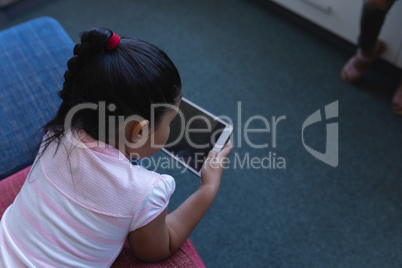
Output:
x=358 y=64
x=397 y=100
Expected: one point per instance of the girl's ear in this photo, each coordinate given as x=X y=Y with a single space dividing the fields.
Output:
x=138 y=130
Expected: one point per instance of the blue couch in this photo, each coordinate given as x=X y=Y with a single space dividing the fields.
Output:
x=33 y=58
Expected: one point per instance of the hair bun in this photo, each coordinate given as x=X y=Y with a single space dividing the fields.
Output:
x=92 y=42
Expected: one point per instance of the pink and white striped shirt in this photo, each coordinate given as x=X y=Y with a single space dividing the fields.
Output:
x=78 y=205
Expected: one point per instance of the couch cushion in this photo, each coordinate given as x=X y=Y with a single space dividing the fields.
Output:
x=10 y=187
x=33 y=59
x=186 y=256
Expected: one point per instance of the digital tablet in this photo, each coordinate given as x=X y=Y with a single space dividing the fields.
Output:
x=193 y=133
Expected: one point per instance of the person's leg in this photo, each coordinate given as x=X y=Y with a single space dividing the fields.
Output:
x=397 y=99
x=373 y=18
x=371 y=21
x=369 y=48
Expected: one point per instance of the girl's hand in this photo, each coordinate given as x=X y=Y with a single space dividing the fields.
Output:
x=214 y=165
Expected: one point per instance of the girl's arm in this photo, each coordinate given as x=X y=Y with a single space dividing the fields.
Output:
x=166 y=233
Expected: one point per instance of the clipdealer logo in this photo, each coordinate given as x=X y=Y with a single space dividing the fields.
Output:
x=274 y=161
x=243 y=136
x=331 y=155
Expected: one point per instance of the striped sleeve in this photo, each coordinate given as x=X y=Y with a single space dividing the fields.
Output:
x=154 y=203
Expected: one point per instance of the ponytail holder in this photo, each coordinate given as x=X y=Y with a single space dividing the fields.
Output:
x=113 y=42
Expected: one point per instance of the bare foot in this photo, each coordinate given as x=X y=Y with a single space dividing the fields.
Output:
x=377 y=4
x=397 y=100
x=360 y=62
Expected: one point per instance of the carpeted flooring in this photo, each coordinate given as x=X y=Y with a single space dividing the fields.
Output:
x=298 y=211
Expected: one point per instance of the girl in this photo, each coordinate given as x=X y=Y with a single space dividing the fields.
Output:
x=83 y=197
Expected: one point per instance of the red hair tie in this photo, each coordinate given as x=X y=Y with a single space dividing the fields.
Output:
x=113 y=42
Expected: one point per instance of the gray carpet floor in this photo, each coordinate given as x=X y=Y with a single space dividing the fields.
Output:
x=238 y=53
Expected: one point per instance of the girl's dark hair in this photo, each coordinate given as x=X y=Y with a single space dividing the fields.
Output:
x=131 y=76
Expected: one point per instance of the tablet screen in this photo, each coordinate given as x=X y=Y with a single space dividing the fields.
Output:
x=192 y=135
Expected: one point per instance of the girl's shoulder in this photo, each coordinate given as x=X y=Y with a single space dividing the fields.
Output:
x=100 y=180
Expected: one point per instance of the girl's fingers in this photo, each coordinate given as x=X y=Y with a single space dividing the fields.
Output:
x=212 y=154
x=215 y=158
x=227 y=149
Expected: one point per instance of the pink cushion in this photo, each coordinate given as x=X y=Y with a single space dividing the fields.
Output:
x=186 y=256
